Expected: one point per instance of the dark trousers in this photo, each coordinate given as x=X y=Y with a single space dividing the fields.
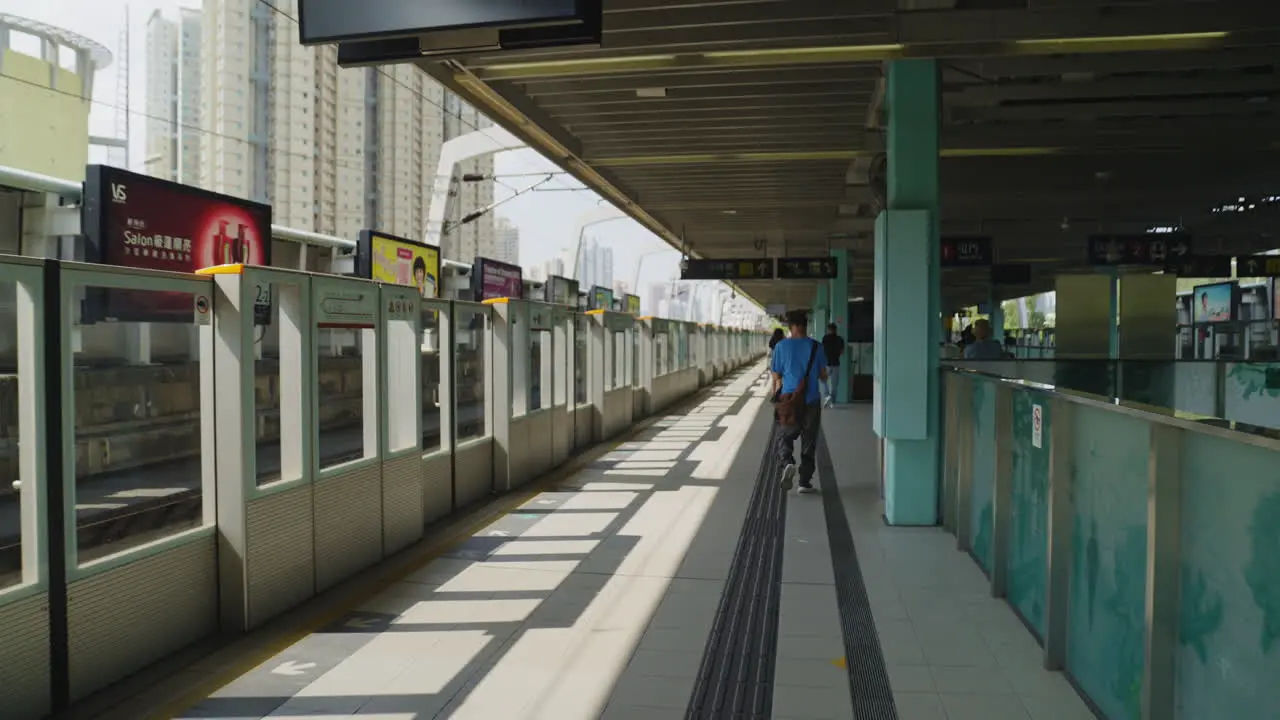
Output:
x=807 y=431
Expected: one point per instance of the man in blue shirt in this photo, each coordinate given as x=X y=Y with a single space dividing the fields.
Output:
x=984 y=347
x=798 y=358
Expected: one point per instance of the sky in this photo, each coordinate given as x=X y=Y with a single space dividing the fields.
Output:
x=546 y=217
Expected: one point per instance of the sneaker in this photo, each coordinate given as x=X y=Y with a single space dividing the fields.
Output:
x=788 y=476
x=828 y=403
x=807 y=489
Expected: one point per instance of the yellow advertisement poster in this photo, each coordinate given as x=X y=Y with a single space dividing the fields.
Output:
x=399 y=262
x=633 y=304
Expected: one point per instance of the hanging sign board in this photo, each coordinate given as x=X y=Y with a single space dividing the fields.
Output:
x=966 y=251
x=813 y=268
x=1137 y=248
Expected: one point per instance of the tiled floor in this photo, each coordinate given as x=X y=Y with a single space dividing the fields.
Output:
x=595 y=600
x=952 y=651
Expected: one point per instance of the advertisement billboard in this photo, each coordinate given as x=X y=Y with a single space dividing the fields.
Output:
x=492 y=279
x=398 y=261
x=632 y=306
x=142 y=222
x=562 y=291
x=1213 y=303
x=601 y=298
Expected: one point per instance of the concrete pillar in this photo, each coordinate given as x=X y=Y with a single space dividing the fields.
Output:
x=818 y=318
x=997 y=318
x=908 y=297
x=840 y=316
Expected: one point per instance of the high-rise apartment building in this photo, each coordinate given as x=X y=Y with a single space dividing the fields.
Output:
x=333 y=150
x=506 y=242
x=595 y=264
x=173 y=96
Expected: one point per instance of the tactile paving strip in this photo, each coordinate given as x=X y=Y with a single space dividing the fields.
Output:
x=868 y=678
x=735 y=680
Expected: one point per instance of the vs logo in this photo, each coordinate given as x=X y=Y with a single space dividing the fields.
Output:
x=119 y=193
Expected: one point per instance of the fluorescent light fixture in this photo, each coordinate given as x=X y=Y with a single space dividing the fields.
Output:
x=837 y=50
x=651 y=92
x=1112 y=43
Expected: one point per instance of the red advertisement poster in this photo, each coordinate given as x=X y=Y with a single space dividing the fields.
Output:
x=143 y=222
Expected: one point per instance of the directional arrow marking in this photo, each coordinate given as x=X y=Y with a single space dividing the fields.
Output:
x=361 y=622
x=293 y=668
x=498 y=533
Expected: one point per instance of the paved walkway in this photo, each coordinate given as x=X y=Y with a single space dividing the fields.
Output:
x=595 y=599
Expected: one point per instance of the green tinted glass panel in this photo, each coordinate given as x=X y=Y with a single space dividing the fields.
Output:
x=1029 y=521
x=984 y=467
x=1229 y=610
x=1105 y=615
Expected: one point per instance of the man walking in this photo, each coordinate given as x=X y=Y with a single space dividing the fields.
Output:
x=833 y=347
x=799 y=366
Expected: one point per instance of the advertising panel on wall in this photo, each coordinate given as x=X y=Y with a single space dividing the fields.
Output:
x=492 y=279
x=137 y=221
x=398 y=261
x=632 y=304
x=1213 y=303
x=562 y=291
x=601 y=298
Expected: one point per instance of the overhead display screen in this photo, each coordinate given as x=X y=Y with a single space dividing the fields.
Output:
x=399 y=261
x=327 y=21
x=139 y=221
x=601 y=298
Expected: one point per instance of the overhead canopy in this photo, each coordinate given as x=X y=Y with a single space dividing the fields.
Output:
x=750 y=126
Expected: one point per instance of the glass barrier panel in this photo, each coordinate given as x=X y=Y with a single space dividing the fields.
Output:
x=430 y=379
x=11 y=568
x=1106 y=599
x=341 y=367
x=984 y=465
x=1230 y=580
x=470 y=336
x=618 y=368
x=137 y=426
x=635 y=354
x=270 y=410
x=580 y=329
x=539 y=363
x=660 y=353
x=1027 y=588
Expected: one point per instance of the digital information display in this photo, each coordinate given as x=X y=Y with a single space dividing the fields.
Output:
x=632 y=306
x=966 y=251
x=815 y=268
x=493 y=279
x=138 y=221
x=399 y=261
x=735 y=269
x=1137 y=249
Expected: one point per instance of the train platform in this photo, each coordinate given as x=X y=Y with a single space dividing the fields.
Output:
x=666 y=575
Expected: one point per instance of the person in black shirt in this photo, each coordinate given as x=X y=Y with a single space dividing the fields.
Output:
x=833 y=348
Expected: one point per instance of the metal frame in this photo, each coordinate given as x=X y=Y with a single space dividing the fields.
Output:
x=291 y=291
x=399 y=364
x=370 y=415
x=457 y=308
x=964 y=464
x=444 y=357
x=75 y=276
x=1164 y=536
x=27 y=275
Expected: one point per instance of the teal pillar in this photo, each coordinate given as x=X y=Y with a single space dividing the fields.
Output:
x=908 y=298
x=821 y=307
x=997 y=318
x=839 y=294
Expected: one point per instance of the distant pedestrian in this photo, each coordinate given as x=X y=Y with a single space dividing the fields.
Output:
x=833 y=348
